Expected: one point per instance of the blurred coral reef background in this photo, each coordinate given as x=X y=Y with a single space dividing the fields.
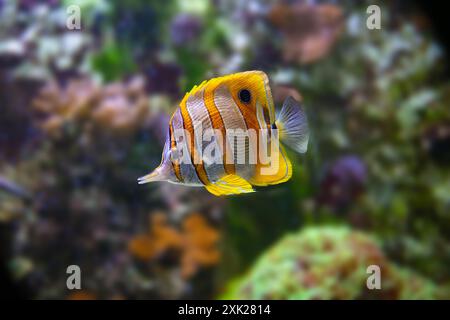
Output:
x=84 y=113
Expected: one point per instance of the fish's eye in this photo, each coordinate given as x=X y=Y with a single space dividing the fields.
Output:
x=245 y=96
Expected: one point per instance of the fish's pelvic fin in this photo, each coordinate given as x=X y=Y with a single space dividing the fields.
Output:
x=292 y=125
x=228 y=185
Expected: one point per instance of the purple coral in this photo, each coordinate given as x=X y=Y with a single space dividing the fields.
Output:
x=343 y=182
x=185 y=28
x=163 y=78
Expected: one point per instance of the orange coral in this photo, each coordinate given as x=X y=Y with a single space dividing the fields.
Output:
x=118 y=108
x=200 y=245
x=310 y=30
x=195 y=242
x=165 y=237
x=281 y=92
x=141 y=246
x=160 y=238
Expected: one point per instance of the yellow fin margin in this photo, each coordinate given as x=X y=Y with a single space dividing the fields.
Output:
x=283 y=173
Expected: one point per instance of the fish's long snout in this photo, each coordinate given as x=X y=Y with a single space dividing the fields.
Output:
x=159 y=174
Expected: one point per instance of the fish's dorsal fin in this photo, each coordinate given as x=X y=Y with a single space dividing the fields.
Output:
x=229 y=184
x=195 y=89
x=259 y=80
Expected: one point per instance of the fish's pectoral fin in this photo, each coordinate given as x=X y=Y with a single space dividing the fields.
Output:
x=228 y=185
x=279 y=170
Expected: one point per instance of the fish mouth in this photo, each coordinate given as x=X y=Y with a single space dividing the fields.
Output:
x=161 y=173
x=151 y=177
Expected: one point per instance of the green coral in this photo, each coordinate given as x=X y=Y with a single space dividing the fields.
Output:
x=328 y=263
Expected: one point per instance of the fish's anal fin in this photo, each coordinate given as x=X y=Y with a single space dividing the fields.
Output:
x=228 y=185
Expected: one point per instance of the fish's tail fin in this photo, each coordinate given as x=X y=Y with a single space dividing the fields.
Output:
x=292 y=125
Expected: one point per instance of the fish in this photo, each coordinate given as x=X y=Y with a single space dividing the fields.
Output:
x=225 y=136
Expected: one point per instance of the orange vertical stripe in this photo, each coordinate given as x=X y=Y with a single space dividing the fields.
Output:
x=217 y=123
x=175 y=162
x=187 y=123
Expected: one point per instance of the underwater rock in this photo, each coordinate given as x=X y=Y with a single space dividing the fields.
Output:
x=328 y=263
